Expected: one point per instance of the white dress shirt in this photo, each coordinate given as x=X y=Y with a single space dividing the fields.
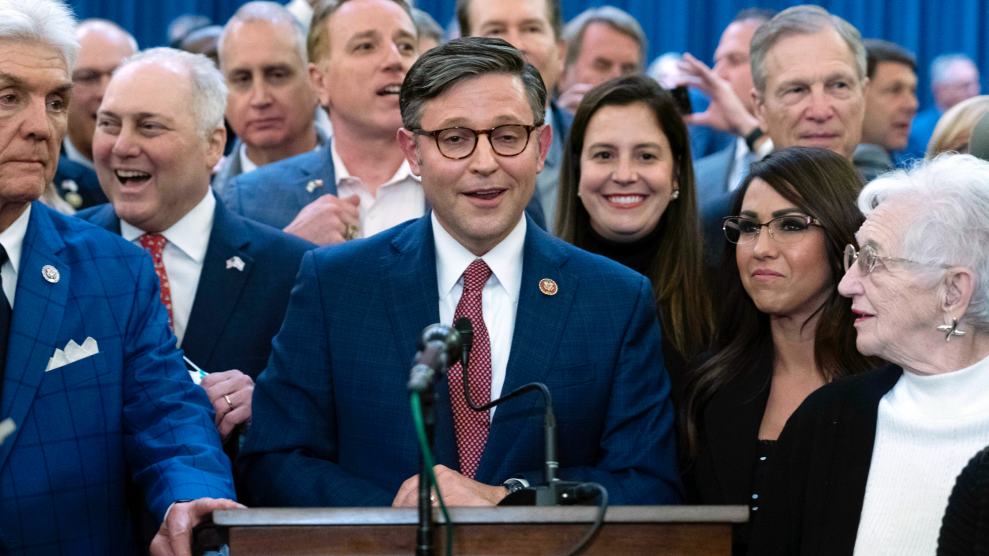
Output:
x=183 y=257
x=740 y=166
x=246 y=164
x=12 y=240
x=500 y=297
x=73 y=154
x=397 y=200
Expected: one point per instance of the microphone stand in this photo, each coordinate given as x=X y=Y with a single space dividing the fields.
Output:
x=425 y=532
x=431 y=364
x=555 y=492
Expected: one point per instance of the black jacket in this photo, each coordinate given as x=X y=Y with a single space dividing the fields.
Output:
x=816 y=486
x=965 y=528
x=728 y=432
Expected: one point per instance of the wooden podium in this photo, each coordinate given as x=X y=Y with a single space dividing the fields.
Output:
x=515 y=531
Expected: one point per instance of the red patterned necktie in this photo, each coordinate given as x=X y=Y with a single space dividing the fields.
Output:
x=472 y=426
x=155 y=244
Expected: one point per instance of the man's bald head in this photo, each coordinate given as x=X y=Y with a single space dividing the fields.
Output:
x=103 y=46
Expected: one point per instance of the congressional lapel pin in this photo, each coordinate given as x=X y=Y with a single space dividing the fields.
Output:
x=311 y=186
x=50 y=273
x=235 y=262
x=548 y=286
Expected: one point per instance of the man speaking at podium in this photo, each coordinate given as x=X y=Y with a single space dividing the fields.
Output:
x=332 y=422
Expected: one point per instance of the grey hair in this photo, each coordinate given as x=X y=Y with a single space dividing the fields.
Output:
x=441 y=68
x=46 y=21
x=271 y=12
x=95 y=23
x=426 y=26
x=949 y=223
x=940 y=65
x=209 y=91
x=611 y=16
x=802 y=20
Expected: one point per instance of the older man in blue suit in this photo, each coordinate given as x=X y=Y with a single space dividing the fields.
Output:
x=91 y=376
x=332 y=424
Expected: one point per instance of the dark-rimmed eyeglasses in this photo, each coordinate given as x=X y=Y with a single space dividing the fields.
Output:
x=459 y=142
x=868 y=258
x=785 y=229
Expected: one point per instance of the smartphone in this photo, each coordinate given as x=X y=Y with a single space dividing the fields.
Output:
x=682 y=98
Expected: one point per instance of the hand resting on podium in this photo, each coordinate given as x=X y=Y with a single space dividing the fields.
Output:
x=457 y=490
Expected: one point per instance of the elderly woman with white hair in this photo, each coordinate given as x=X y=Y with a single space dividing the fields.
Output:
x=866 y=465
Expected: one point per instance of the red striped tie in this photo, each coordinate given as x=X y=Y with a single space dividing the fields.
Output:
x=472 y=426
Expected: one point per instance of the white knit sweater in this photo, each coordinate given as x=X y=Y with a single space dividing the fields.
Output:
x=927 y=430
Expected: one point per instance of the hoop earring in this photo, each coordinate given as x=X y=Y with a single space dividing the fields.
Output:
x=950 y=330
x=675 y=195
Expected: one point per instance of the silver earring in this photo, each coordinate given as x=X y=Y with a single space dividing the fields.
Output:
x=950 y=330
x=675 y=195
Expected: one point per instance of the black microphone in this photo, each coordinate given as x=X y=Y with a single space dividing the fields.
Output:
x=439 y=347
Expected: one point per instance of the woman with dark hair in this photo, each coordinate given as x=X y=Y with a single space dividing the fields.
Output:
x=627 y=193
x=785 y=331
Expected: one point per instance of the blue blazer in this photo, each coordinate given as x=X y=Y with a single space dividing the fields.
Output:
x=235 y=313
x=332 y=424
x=84 y=429
x=275 y=193
x=78 y=185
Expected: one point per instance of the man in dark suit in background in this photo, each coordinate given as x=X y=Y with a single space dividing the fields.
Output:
x=890 y=106
x=225 y=280
x=536 y=28
x=103 y=45
x=602 y=43
x=332 y=423
x=271 y=106
x=732 y=109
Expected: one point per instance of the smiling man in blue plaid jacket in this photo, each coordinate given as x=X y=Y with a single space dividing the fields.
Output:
x=90 y=373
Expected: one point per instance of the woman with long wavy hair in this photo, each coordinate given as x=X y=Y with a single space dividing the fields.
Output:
x=785 y=331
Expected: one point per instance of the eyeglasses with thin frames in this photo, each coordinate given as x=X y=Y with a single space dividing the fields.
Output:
x=785 y=229
x=457 y=143
x=868 y=258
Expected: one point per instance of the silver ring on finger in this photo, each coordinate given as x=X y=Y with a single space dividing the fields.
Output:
x=230 y=403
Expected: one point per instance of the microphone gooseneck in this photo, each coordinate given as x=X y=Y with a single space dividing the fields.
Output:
x=465 y=328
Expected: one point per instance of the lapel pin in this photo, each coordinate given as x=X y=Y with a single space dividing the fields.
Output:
x=50 y=273
x=548 y=286
x=235 y=262
x=311 y=186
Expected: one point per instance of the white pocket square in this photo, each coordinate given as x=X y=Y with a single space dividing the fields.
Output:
x=73 y=352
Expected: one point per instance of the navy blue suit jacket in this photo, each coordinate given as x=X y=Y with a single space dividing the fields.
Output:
x=86 y=428
x=275 y=193
x=236 y=313
x=72 y=178
x=332 y=423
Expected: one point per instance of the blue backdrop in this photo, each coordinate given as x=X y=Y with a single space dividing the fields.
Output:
x=928 y=27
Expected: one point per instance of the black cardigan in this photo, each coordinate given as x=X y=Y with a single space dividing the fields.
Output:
x=727 y=435
x=816 y=485
x=965 y=528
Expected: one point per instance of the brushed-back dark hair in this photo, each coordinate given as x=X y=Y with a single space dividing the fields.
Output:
x=824 y=185
x=677 y=269
x=446 y=65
